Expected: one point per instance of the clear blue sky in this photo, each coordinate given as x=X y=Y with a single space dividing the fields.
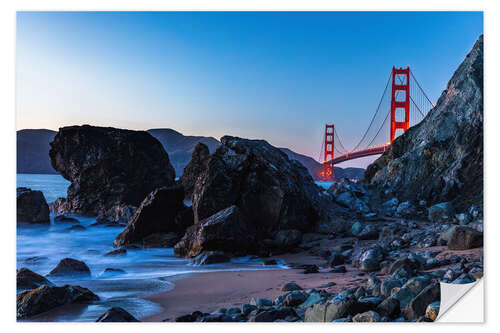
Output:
x=270 y=75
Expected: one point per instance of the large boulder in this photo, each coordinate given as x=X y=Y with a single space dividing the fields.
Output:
x=464 y=238
x=31 y=206
x=70 y=266
x=271 y=191
x=441 y=158
x=108 y=167
x=27 y=279
x=228 y=231
x=156 y=214
x=45 y=298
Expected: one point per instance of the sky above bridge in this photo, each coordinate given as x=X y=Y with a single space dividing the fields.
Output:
x=278 y=76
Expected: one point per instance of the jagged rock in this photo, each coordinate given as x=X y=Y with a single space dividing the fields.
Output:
x=441 y=212
x=27 y=279
x=160 y=240
x=417 y=307
x=228 y=231
x=116 y=314
x=271 y=191
x=441 y=158
x=69 y=266
x=463 y=238
x=45 y=298
x=368 y=316
x=210 y=257
x=108 y=168
x=191 y=172
x=156 y=214
x=31 y=206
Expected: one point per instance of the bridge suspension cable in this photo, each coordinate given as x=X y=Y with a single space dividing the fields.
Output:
x=375 y=115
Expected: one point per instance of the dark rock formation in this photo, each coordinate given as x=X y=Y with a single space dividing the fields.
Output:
x=108 y=167
x=464 y=238
x=116 y=314
x=45 y=298
x=441 y=158
x=195 y=167
x=27 y=279
x=31 y=206
x=271 y=193
x=69 y=266
x=228 y=231
x=156 y=214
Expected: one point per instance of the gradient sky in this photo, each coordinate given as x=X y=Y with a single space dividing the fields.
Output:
x=278 y=76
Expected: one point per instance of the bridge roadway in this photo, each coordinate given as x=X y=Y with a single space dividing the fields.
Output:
x=359 y=154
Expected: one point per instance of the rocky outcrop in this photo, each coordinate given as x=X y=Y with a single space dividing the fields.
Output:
x=69 y=266
x=45 y=298
x=27 y=279
x=156 y=214
x=441 y=158
x=116 y=314
x=270 y=191
x=31 y=206
x=194 y=168
x=108 y=167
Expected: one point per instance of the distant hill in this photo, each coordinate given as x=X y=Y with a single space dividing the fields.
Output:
x=33 y=152
x=314 y=167
x=179 y=147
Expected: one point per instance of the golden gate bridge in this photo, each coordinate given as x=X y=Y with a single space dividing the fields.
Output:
x=406 y=105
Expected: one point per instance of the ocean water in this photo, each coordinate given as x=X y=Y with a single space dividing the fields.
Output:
x=147 y=271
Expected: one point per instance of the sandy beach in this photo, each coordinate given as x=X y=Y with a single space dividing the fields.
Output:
x=208 y=292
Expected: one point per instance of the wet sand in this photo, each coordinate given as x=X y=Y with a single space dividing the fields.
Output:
x=208 y=292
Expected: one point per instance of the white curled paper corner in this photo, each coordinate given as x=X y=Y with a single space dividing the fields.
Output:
x=462 y=303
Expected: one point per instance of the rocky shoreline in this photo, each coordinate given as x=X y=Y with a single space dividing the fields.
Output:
x=402 y=230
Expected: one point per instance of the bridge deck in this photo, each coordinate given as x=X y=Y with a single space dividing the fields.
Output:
x=359 y=154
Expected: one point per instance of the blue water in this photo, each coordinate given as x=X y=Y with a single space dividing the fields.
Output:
x=148 y=271
x=325 y=185
x=52 y=186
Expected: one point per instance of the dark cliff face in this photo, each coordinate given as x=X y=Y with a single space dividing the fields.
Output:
x=441 y=159
x=108 y=167
x=33 y=151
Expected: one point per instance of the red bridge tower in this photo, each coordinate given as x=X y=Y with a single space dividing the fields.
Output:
x=401 y=105
x=327 y=173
